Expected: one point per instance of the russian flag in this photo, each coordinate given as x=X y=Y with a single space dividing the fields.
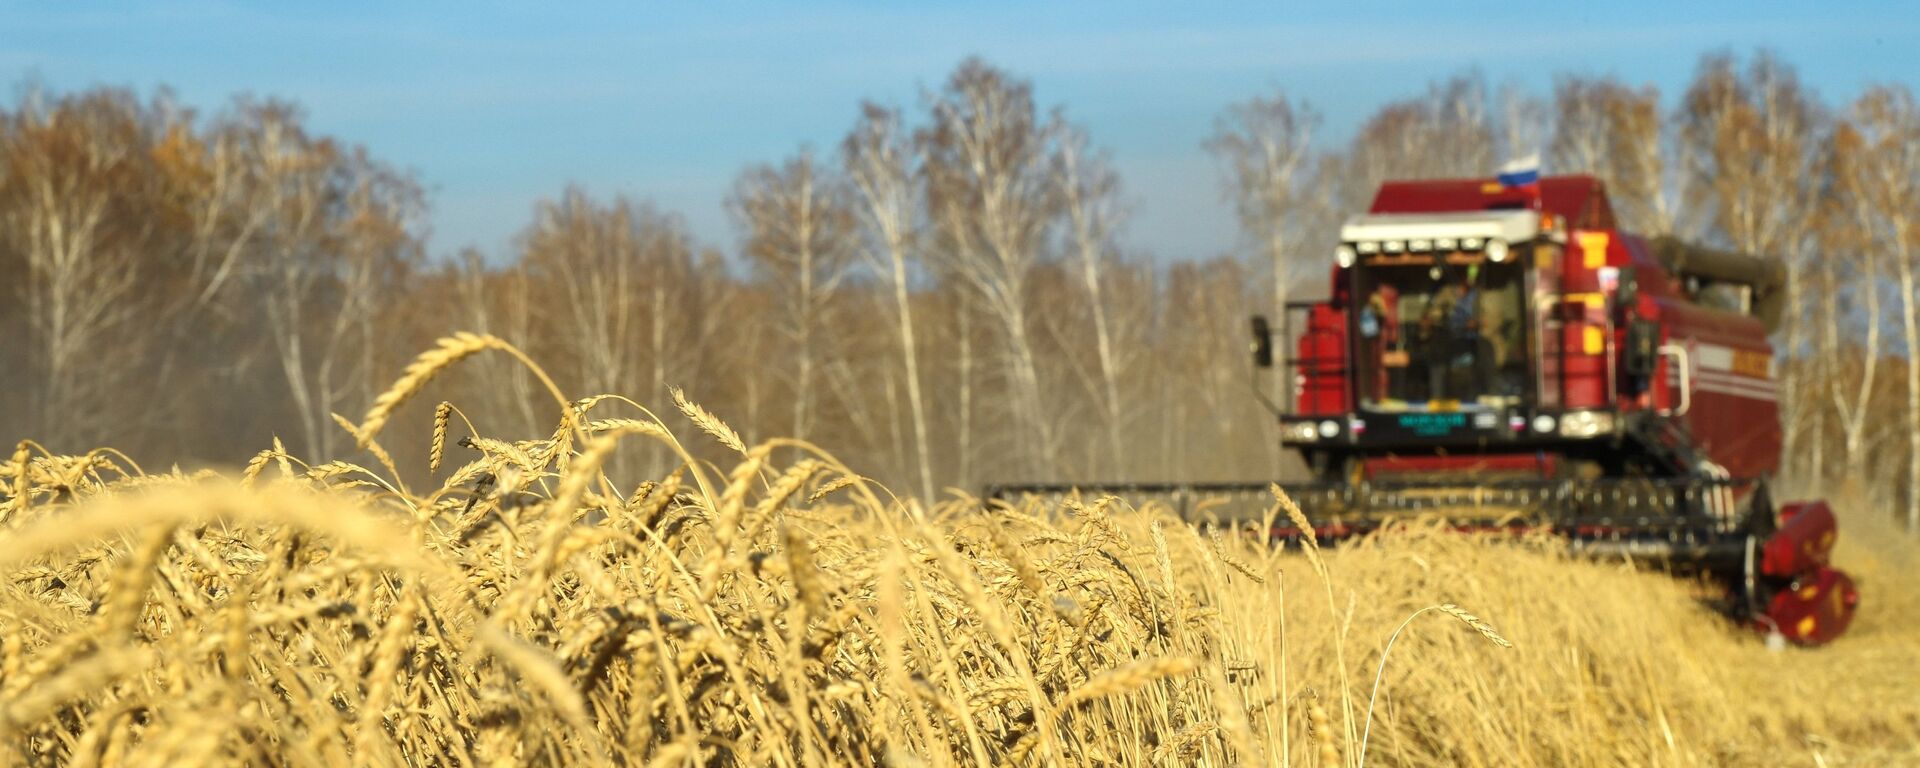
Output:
x=1521 y=173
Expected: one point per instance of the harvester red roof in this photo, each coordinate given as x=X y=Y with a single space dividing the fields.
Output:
x=1581 y=199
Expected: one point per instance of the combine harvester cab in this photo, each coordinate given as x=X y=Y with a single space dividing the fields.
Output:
x=1505 y=355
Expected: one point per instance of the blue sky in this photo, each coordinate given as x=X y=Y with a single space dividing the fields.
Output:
x=497 y=105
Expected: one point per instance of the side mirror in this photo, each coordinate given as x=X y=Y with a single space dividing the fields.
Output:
x=1626 y=296
x=1262 y=342
x=1642 y=351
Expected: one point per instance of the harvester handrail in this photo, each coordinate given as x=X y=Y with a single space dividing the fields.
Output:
x=1679 y=354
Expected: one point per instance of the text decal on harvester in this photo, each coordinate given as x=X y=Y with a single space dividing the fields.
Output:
x=1432 y=424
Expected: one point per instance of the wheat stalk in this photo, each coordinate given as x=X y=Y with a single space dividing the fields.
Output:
x=829 y=487
x=255 y=465
x=1128 y=678
x=21 y=453
x=129 y=593
x=447 y=351
x=1449 y=609
x=1017 y=559
x=389 y=652
x=536 y=667
x=79 y=678
x=808 y=586
x=1322 y=727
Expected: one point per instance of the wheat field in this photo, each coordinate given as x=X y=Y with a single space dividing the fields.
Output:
x=533 y=609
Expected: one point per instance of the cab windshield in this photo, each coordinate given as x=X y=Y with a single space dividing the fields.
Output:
x=1432 y=335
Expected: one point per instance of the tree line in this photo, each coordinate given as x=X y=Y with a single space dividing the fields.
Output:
x=945 y=296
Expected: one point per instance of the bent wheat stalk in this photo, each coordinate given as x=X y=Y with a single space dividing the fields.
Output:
x=1486 y=630
x=447 y=351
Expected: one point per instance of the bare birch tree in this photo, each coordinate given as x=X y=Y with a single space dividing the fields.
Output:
x=1643 y=168
x=1445 y=133
x=618 y=297
x=1582 y=128
x=1604 y=127
x=498 y=302
x=337 y=239
x=1263 y=145
x=1524 y=124
x=1089 y=191
x=877 y=157
x=587 y=257
x=1848 y=271
x=66 y=168
x=986 y=157
x=1885 y=192
x=799 y=239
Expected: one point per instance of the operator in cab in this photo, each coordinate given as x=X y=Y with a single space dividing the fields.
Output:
x=1458 y=360
x=1380 y=325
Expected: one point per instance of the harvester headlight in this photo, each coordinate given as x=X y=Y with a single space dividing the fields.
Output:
x=1420 y=245
x=1299 y=432
x=1543 y=424
x=1586 y=424
x=1496 y=250
x=1470 y=244
x=1344 y=256
x=1329 y=428
x=1367 y=246
x=1444 y=244
x=1394 y=246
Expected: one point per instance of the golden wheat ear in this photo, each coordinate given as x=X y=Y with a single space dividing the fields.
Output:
x=1310 y=542
x=829 y=487
x=1130 y=677
x=709 y=423
x=1478 y=625
x=447 y=351
x=437 y=448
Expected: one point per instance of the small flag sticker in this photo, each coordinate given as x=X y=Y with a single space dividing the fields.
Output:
x=1521 y=172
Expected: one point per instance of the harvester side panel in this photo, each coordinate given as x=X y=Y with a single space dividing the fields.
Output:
x=1733 y=401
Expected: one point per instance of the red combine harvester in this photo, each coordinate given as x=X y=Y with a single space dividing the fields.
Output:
x=1507 y=357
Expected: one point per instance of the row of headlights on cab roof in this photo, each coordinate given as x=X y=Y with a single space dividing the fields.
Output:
x=1346 y=254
